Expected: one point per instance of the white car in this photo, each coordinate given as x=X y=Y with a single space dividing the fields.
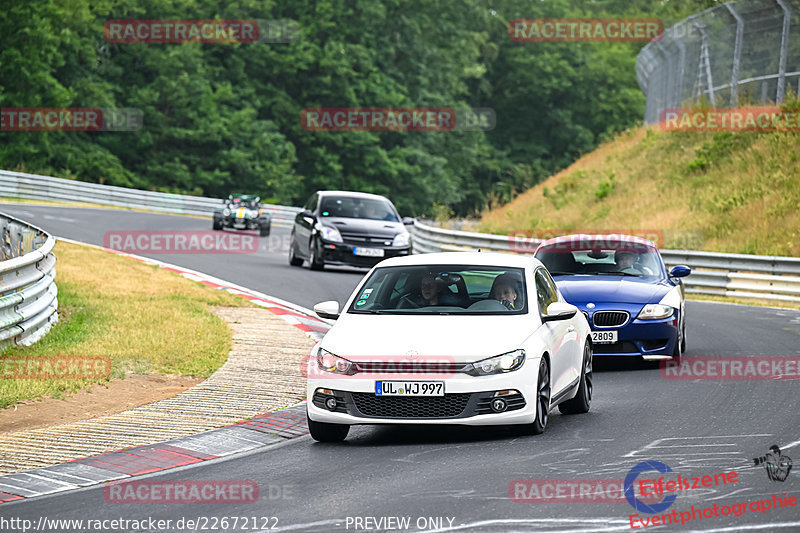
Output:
x=450 y=338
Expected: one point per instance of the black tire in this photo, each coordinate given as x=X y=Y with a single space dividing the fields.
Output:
x=314 y=261
x=683 y=339
x=263 y=230
x=677 y=352
x=538 y=426
x=217 y=225
x=680 y=345
x=324 y=432
x=583 y=400
x=293 y=259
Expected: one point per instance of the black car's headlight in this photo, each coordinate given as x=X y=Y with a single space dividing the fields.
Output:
x=655 y=312
x=401 y=239
x=334 y=364
x=330 y=234
x=499 y=364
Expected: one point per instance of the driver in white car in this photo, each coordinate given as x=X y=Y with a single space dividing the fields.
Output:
x=504 y=291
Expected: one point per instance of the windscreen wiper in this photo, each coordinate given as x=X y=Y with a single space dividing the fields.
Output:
x=616 y=274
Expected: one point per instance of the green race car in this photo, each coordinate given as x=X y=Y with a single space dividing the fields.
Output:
x=243 y=211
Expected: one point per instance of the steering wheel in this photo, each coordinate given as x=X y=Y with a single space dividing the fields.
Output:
x=407 y=298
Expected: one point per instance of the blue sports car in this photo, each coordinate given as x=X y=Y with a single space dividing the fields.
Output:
x=633 y=305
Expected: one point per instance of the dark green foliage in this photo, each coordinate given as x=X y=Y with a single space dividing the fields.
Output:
x=226 y=117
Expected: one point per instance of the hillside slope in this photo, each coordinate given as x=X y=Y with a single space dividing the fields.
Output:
x=725 y=192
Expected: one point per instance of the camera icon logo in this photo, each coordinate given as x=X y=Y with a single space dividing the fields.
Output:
x=776 y=464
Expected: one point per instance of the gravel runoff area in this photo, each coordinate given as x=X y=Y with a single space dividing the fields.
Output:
x=262 y=374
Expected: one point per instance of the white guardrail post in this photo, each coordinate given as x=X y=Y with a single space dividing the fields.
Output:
x=721 y=274
x=28 y=294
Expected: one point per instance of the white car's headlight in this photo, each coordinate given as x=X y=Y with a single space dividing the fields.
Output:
x=499 y=364
x=401 y=239
x=334 y=364
x=330 y=234
x=655 y=312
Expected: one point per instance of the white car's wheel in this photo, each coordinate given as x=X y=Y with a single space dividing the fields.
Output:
x=583 y=400
x=323 y=432
x=542 y=399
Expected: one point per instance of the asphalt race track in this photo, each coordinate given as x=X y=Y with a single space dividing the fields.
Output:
x=460 y=477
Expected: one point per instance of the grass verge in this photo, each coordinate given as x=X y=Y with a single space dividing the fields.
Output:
x=144 y=318
x=720 y=192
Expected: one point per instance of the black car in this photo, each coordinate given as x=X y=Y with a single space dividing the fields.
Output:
x=347 y=228
x=243 y=211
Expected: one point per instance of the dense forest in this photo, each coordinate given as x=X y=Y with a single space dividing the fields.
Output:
x=221 y=118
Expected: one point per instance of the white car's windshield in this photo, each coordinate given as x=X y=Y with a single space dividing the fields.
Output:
x=624 y=260
x=443 y=289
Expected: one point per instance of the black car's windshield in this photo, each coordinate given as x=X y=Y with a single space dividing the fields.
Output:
x=443 y=290
x=620 y=259
x=349 y=207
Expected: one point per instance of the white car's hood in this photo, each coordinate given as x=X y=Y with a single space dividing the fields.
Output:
x=459 y=338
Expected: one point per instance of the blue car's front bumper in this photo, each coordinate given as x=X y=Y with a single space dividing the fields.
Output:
x=647 y=338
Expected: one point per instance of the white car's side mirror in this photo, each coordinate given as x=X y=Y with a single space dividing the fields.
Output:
x=559 y=311
x=329 y=309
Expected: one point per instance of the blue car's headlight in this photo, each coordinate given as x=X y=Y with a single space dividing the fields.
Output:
x=655 y=312
x=499 y=364
x=333 y=363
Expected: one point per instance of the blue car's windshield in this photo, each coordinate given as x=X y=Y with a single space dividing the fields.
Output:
x=624 y=260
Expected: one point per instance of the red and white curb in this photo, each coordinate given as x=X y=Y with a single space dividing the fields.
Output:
x=257 y=432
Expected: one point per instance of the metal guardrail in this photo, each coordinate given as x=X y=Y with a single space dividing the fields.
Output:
x=35 y=187
x=728 y=275
x=721 y=274
x=28 y=293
